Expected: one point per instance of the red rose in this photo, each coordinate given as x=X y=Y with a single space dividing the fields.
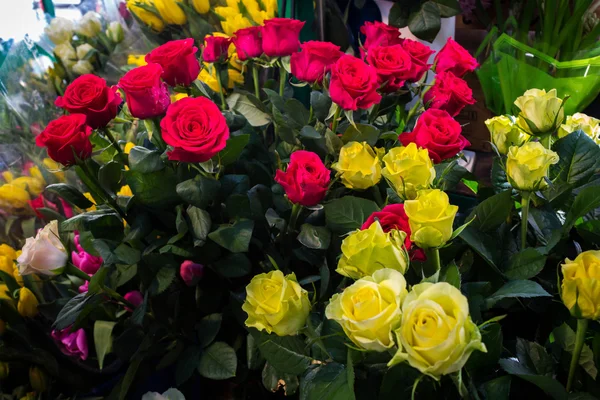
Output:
x=178 y=60
x=454 y=58
x=195 y=128
x=281 y=36
x=419 y=54
x=306 y=179
x=65 y=138
x=353 y=84
x=379 y=34
x=437 y=132
x=393 y=65
x=313 y=60
x=90 y=95
x=41 y=202
x=449 y=93
x=216 y=49
x=248 y=42
x=147 y=96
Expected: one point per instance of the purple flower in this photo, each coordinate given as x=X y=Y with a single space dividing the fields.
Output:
x=73 y=344
x=135 y=297
x=191 y=272
x=85 y=261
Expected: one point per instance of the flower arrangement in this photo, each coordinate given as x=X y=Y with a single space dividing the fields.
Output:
x=245 y=236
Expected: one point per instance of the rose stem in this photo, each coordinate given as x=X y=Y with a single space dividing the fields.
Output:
x=110 y=136
x=296 y=208
x=336 y=117
x=282 y=78
x=579 y=341
x=220 y=86
x=525 y=196
x=433 y=258
x=256 y=81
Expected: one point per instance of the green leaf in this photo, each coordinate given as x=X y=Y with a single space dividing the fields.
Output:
x=518 y=288
x=579 y=159
x=499 y=180
x=155 y=189
x=101 y=223
x=565 y=336
x=497 y=389
x=451 y=274
x=255 y=359
x=310 y=133
x=233 y=148
x=425 y=23
x=525 y=264
x=144 y=160
x=348 y=213
x=535 y=357
x=361 y=133
x=448 y=8
x=207 y=329
x=493 y=211
x=486 y=245
x=233 y=265
x=272 y=380
x=69 y=313
x=187 y=364
x=71 y=194
x=284 y=353
x=296 y=112
x=587 y=200
x=321 y=103
x=236 y=237
x=255 y=116
x=327 y=382
x=163 y=279
x=10 y=282
x=590 y=231
x=314 y=237
x=399 y=15
x=109 y=176
x=548 y=384
x=103 y=339
x=201 y=223
x=200 y=191
x=97 y=280
x=218 y=362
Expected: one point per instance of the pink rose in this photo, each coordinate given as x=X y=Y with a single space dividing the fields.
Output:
x=419 y=54
x=216 y=49
x=353 y=84
x=178 y=60
x=281 y=36
x=191 y=272
x=248 y=42
x=454 y=58
x=146 y=95
x=135 y=297
x=73 y=344
x=393 y=65
x=83 y=260
x=449 y=93
x=379 y=34
x=314 y=60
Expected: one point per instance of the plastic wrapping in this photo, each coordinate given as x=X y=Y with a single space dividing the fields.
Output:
x=513 y=67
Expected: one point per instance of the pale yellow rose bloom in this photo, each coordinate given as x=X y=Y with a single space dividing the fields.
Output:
x=89 y=25
x=60 y=30
x=170 y=11
x=147 y=17
x=66 y=53
x=359 y=165
x=505 y=133
x=83 y=67
x=28 y=304
x=201 y=6
x=589 y=125
x=115 y=32
x=13 y=197
x=436 y=334
x=83 y=49
x=366 y=251
x=541 y=112
x=33 y=185
x=580 y=289
x=526 y=166
x=369 y=309
x=430 y=217
x=44 y=253
x=408 y=170
x=276 y=304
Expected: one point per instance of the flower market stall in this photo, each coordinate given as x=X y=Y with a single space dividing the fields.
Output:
x=237 y=210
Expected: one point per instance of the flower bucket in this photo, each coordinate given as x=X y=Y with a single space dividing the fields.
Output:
x=513 y=67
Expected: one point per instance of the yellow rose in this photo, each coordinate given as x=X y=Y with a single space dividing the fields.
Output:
x=408 y=170
x=139 y=60
x=436 y=334
x=8 y=176
x=233 y=23
x=359 y=165
x=201 y=6
x=28 y=304
x=366 y=251
x=13 y=197
x=505 y=133
x=526 y=166
x=170 y=11
x=589 y=125
x=271 y=8
x=125 y=191
x=17 y=275
x=147 y=17
x=32 y=185
x=276 y=303
x=7 y=257
x=5 y=293
x=128 y=147
x=540 y=111
x=54 y=168
x=369 y=309
x=430 y=217
x=580 y=289
x=208 y=76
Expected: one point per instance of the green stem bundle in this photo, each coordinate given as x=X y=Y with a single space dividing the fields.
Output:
x=582 y=325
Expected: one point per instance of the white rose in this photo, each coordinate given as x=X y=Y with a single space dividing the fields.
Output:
x=44 y=253
x=83 y=67
x=115 y=32
x=60 y=30
x=89 y=25
x=83 y=49
x=66 y=53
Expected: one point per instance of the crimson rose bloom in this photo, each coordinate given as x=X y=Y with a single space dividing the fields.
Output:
x=65 y=138
x=281 y=36
x=437 y=132
x=306 y=179
x=379 y=34
x=215 y=49
x=248 y=42
x=195 y=128
x=313 y=60
x=419 y=54
x=41 y=202
x=449 y=93
x=147 y=96
x=454 y=58
x=393 y=65
x=178 y=60
x=353 y=84
x=90 y=95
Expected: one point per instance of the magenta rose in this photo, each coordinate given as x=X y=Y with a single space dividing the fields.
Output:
x=314 y=60
x=454 y=58
x=195 y=128
x=73 y=344
x=449 y=93
x=146 y=95
x=248 y=42
x=281 y=36
x=216 y=49
x=83 y=260
x=353 y=84
x=178 y=60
